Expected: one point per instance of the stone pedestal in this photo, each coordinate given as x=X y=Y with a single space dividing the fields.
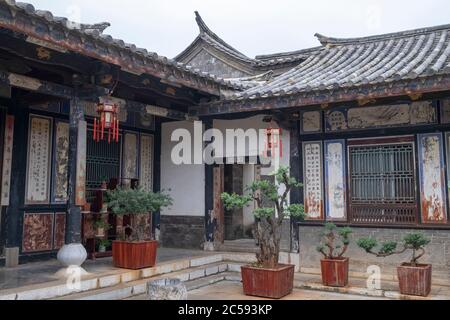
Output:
x=166 y=289
x=11 y=257
x=73 y=254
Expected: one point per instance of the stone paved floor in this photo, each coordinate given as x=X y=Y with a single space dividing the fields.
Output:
x=229 y=290
x=41 y=272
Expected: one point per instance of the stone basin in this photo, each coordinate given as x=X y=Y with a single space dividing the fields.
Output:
x=166 y=289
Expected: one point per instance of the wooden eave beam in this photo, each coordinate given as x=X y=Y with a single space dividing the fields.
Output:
x=88 y=94
x=410 y=87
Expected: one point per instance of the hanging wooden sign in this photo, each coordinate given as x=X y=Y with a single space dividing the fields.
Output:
x=7 y=160
x=146 y=162
x=80 y=186
x=38 y=168
x=313 y=193
x=432 y=178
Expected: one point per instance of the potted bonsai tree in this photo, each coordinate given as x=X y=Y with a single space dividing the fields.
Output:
x=334 y=266
x=414 y=278
x=136 y=250
x=268 y=278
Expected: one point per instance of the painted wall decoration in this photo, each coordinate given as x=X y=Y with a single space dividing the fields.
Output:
x=146 y=162
x=416 y=113
x=61 y=161
x=445 y=111
x=311 y=122
x=335 y=186
x=145 y=120
x=60 y=230
x=7 y=160
x=130 y=154
x=38 y=164
x=432 y=178
x=312 y=175
x=80 y=186
x=37 y=232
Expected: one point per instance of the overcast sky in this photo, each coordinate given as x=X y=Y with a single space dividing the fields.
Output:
x=251 y=26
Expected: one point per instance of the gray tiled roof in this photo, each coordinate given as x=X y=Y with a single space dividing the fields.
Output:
x=341 y=63
x=104 y=39
x=215 y=41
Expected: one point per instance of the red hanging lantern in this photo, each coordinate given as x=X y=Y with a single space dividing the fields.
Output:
x=108 y=121
x=273 y=141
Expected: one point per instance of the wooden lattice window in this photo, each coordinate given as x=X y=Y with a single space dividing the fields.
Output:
x=383 y=183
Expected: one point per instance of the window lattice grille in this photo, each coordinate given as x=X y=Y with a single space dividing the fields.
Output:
x=383 y=184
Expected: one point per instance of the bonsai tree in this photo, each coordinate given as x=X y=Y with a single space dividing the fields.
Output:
x=135 y=202
x=328 y=247
x=271 y=209
x=413 y=241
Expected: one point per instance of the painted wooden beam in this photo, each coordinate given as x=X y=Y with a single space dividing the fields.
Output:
x=90 y=94
x=412 y=87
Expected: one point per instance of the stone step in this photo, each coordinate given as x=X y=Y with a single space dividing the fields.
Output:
x=138 y=287
x=58 y=288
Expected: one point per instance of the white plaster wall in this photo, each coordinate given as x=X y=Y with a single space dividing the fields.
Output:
x=186 y=181
x=257 y=123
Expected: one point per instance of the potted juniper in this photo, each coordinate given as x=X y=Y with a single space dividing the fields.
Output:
x=135 y=250
x=414 y=278
x=334 y=244
x=267 y=277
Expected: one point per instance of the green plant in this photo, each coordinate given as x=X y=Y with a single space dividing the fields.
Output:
x=104 y=243
x=415 y=241
x=269 y=217
x=101 y=224
x=328 y=247
x=126 y=201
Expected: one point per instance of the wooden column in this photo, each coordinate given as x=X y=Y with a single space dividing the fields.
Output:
x=73 y=218
x=210 y=222
x=14 y=212
x=296 y=195
x=156 y=216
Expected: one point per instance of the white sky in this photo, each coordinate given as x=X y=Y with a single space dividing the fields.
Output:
x=251 y=26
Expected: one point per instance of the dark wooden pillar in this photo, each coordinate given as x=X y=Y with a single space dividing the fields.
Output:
x=73 y=217
x=14 y=213
x=156 y=216
x=210 y=221
x=296 y=195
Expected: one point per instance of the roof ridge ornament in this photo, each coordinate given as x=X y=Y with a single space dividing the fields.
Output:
x=100 y=27
x=201 y=24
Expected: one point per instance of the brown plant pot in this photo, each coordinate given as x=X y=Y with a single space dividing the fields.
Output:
x=268 y=283
x=134 y=255
x=414 y=281
x=334 y=272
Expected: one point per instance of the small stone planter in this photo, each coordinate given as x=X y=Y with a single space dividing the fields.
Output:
x=166 y=289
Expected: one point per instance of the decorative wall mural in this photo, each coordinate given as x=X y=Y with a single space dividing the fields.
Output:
x=37 y=232
x=7 y=160
x=61 y=161
x=432 y=178
x=335 y=186
x=130 y=154
x=146 y=162
x=415 y=113
x=38 y=166
x=312 y=173
x=311 y=122
x=60 y=230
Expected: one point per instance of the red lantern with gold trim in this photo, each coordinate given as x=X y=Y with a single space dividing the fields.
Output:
x=108 y=122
